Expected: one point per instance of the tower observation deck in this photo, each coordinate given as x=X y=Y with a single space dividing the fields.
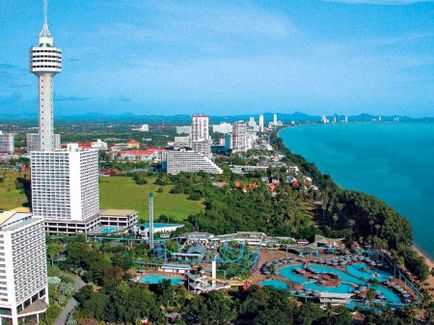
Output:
x=45 y=63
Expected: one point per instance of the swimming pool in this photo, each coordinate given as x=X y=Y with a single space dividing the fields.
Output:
x=108 y=230
x=361 y=271
x=276 y=284
x=156 y=278
x=390 y=296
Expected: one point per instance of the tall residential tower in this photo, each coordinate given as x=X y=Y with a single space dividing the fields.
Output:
x=45 y=63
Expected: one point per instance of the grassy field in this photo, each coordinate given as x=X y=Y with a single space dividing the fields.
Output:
x=124 y=193
x=10 y=197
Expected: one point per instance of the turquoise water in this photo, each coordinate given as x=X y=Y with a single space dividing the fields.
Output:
x=390 y=296
x=359 y=270
x=347 y=284
x=155 y=279
x=392 y=161
x=275 y=284
x=108 y=230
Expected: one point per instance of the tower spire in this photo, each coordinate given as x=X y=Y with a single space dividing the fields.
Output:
x=45 y=32
x=45 y=13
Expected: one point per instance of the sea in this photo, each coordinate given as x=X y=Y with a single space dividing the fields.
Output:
x=393 y=161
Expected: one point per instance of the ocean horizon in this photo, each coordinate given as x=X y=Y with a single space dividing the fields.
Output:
x=391 y=161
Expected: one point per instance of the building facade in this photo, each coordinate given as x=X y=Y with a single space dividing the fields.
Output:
x=239 y=137
x=65 y=184
x=23 y=267
x=175 y=162
x=7 y=142
x=222 y=128
x=33 y=141
x=200 y=128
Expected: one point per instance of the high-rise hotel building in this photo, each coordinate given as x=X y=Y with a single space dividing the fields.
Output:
x=199 y=136
x=65 y=183
x=23 y=267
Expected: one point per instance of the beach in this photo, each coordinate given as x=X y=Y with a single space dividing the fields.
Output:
x=430 y=264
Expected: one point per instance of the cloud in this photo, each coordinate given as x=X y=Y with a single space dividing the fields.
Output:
x=381 y=2
x=71 y=99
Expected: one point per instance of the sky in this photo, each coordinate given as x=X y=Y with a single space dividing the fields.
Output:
x=225 y=57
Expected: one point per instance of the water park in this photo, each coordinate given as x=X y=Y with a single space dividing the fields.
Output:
x=323 y=271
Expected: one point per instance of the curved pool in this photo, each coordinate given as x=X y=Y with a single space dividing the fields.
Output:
x=361 y=271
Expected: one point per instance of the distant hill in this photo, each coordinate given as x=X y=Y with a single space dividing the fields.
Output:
x=132 y=118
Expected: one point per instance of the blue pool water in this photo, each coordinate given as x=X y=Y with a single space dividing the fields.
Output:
x=390 y=296
x=155 y=279
x=345 y=277
x=361 y=271
x=357 y=277
x=341 y=288
x=280 y=285
x=108 y=230
x=288 y=272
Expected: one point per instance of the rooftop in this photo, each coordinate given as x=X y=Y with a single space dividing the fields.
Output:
x=116 y=212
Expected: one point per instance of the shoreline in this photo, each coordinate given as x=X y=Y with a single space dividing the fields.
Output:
x=430 y=263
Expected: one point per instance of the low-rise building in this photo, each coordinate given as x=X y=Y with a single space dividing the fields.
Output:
x=175 y=162
x=99 y=145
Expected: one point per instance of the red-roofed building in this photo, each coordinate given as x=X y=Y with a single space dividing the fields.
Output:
x=133 y=144
x=151 y=153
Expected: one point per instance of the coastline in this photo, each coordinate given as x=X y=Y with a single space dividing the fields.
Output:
x=430 y=264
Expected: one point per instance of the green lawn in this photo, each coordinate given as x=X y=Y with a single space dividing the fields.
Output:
x=10 y=197
x=123 y=193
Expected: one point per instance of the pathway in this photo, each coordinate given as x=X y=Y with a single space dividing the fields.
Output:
x=72 y=303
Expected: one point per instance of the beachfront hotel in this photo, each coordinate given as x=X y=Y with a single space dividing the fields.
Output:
x=23 y=267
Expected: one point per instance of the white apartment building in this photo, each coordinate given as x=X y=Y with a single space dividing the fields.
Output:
x=182 y=141
x=65 y=184
x=175 y=162
x=274 y=119
x=239 y=137
x=183 y=129
x=261 y=123
x=203 y=147
x=7 y=142
x=33 y=142
x=99 y=145
x=199 y=137
x=222 y=128
x=200 y=128
x=23 y=267
x=142 y=128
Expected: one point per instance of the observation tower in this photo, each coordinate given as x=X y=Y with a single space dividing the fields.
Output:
x=45 y=63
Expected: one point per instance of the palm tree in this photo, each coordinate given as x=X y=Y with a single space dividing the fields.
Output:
x=377 y=227
x=335 y=218
x=371 y=223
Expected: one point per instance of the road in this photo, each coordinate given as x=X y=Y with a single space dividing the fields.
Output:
x=72 y=303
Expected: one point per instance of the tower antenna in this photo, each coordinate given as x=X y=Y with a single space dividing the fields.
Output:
x=45 y=12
